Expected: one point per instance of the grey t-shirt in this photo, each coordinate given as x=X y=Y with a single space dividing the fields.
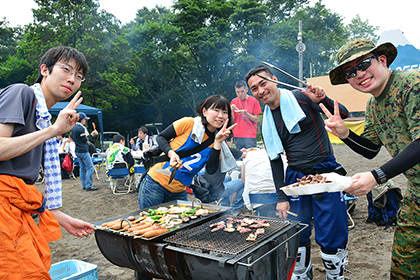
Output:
x=17 y=106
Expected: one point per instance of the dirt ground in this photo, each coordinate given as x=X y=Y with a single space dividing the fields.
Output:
x=369 y=245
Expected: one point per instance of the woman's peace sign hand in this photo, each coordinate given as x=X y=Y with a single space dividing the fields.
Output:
x=224 y=132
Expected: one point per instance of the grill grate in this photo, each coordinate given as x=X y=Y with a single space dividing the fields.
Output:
x=202 y=238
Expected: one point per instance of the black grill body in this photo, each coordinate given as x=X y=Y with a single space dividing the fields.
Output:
x=197 y=253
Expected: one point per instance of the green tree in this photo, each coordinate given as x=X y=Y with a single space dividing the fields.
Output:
x=279 y=10
x=97 y=34
x=161 y=65
x=323 y=34
x=9 y=37
x=15 y=70
x=208 y=41
x=359 y=29
x=156 y=52
x=223 y=39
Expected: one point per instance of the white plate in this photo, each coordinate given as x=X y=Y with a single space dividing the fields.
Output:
x=339 y=183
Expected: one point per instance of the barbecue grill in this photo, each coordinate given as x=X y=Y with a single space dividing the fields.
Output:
x=194 y=252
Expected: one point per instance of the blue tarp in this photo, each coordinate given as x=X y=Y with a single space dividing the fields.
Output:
x=88 y=110
x=408 y=56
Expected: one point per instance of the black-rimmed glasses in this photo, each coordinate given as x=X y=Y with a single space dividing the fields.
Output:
x=362 y=66
x=70 y=71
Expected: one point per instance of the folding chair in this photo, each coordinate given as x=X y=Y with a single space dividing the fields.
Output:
x=350 y=204
x=99 y=161
x=122 y=172
x=75 y=164
x=139 y=171
x=262 y=196
x=41 y=175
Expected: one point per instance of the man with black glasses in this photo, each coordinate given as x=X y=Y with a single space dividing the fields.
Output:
x=24 y=127
x=392 y=120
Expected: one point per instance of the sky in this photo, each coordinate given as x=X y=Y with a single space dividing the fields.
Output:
x=401 y=15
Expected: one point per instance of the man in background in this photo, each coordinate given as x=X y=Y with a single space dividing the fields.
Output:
x=68 y=146
x=256 y=175
x=246 y=113
x=60 y=139
x=144 y=141
x=118 y=152
x=80 y=137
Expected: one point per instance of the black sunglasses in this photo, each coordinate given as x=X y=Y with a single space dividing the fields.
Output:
x=362 y=66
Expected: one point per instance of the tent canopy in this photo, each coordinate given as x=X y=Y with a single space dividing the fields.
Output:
x=88 y=110
x=354 y=100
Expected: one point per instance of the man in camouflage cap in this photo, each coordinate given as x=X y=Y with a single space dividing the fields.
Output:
x=392 y=120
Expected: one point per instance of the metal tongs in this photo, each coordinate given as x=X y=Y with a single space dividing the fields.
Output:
x=175 y=166
x=287 y=74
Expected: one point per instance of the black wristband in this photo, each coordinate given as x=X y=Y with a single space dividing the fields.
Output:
x=379 y=175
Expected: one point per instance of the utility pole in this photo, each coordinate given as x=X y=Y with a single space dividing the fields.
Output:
x=300 y=48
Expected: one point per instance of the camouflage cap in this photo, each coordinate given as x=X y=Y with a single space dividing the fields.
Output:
x=356 y=49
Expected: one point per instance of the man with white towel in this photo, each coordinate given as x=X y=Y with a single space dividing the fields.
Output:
x=292 y=123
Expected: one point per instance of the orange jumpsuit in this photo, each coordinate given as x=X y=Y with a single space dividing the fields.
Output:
x=24 y=251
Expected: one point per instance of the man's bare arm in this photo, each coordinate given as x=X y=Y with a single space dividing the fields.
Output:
x=254 y=118
x=11 y=147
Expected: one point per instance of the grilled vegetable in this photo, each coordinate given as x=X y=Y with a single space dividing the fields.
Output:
x=156 y=217
x=176 y=221
x=192 y=211
x=140 y=219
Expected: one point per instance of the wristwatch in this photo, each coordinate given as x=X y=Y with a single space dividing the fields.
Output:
x=380 y=176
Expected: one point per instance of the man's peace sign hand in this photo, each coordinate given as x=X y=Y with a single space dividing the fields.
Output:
x=334 y=123
x=68 y=117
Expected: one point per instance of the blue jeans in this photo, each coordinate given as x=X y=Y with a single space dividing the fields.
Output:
x=231 y=187
x=151 y=193
x=86 y=169
x=245 y=143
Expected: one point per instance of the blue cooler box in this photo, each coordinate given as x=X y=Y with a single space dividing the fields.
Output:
x=74 y=270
